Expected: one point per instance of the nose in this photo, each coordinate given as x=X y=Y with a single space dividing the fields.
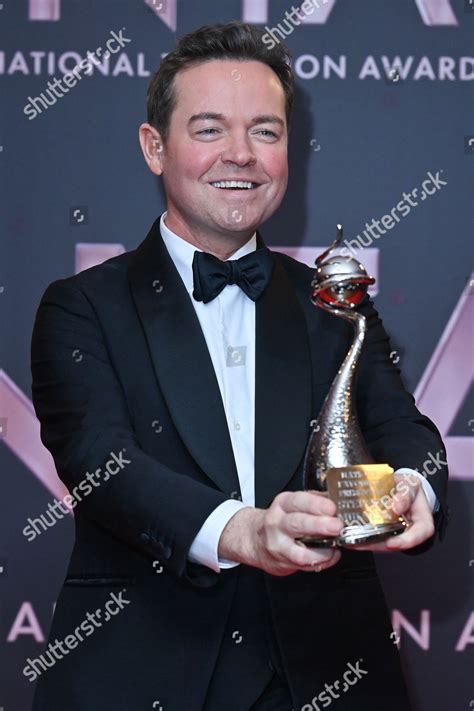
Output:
x=238 y=150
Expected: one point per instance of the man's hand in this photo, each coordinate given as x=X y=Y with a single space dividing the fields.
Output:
x=265 y=538
x=409 y=500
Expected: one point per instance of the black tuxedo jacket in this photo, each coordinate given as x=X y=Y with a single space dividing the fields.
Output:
x=145 y=387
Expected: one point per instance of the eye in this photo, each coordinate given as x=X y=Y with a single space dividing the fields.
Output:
x=206 y=130
x=268 y=132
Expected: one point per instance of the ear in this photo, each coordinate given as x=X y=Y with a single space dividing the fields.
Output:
x=152 y=147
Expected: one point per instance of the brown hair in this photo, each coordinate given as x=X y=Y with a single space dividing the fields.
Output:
x=234 y=40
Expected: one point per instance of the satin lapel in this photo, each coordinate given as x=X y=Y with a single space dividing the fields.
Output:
x=181 y=360
x=282 y=385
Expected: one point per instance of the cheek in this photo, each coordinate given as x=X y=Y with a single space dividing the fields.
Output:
x=187 y=161
x=276 y=165
x=197 y=159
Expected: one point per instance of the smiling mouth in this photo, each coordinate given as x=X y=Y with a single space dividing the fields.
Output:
x=242 y=185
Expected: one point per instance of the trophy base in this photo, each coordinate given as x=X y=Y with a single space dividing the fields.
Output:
x=357 y=535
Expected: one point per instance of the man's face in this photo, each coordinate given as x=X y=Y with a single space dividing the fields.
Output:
x=244 y=138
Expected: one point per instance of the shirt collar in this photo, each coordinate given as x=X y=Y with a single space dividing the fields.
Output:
x=182 y=252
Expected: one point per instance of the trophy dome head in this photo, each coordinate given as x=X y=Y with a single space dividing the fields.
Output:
x=339 y=282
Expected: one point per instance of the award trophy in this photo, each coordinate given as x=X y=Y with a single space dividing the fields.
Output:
x=337 y=459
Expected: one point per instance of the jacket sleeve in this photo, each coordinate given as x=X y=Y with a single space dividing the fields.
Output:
x=395 y=430
x=84 y=419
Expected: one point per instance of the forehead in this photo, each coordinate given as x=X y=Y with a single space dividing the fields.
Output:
x=214 y=84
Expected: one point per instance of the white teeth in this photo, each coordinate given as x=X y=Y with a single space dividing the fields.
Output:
x=234 y=184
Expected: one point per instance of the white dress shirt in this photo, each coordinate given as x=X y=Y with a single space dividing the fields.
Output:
x=228 y=325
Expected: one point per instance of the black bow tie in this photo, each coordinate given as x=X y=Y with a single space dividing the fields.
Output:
x=251 y=272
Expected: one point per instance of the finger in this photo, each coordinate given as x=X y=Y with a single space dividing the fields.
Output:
x=310 y=502
x=297 y=524
x=319 y=567
x=406 y=491
x=422 y=526
x=402 y=503
x=300 y=556
x=417 y=533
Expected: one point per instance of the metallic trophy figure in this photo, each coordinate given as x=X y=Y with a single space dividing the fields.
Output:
x=337 y=458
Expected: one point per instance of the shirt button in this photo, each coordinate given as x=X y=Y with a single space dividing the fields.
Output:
x=237 y=425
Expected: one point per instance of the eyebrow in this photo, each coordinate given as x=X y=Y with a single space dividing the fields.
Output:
x=212 y=116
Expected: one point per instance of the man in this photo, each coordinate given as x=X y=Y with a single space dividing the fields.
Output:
x=200 y=375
